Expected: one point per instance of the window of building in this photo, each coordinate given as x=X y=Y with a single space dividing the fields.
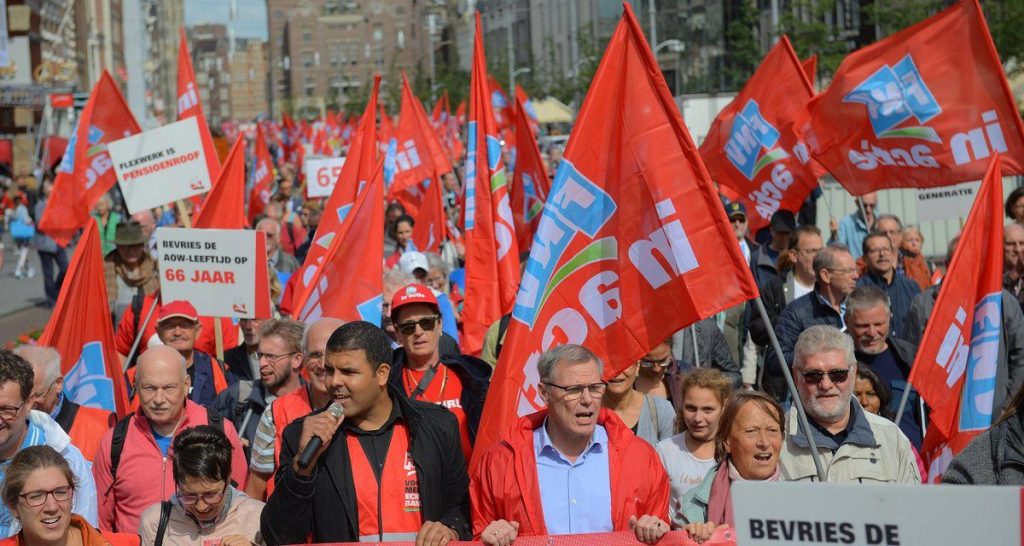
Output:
x=401 y=39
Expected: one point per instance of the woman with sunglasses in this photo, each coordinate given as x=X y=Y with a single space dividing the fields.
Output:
x=206 y=509
x=747 y=446
x=38 y=490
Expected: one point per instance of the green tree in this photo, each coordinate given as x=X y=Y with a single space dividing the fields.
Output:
x=743 y=51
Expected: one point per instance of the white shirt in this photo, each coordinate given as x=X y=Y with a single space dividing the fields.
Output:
x=800 y=290
x=685 y=471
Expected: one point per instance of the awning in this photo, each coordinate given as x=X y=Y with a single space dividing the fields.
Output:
x=552 y=110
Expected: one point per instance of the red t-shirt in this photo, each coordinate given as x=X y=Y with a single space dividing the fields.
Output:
x=445 y=390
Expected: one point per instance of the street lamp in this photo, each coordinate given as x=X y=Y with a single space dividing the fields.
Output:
x=518 y=71
x=675 y=46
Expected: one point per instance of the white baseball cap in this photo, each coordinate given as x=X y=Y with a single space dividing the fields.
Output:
x=413 y=260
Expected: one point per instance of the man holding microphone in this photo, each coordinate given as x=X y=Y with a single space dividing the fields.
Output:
x=380 y=467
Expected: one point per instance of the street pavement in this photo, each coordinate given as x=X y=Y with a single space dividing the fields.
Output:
x=22 y=308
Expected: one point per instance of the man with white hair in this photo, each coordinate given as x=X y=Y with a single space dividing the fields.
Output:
x=853 y=445
x=83 y=424
x=279 y=260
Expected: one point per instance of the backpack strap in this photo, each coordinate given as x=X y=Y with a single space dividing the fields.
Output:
x=165 y=518
x=117 y=446
x=136 y=314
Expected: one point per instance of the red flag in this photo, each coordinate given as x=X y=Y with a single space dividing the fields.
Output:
x=492 y=257
x=501 y=104
x=431 y=221
x=633 y=243
x=81 y=331
x=343 y=287
x=530 y=182
x=387 y=127
x=755 y=145
x=262 y=176
x=955 y=368
x=189 y=105
x=360 y=167
x=224 y=207
x=417 y=148
x=810 y=68
x=927 y=106
x=86 y=171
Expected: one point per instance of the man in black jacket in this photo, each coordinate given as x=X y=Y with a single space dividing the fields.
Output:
x=395 y=472
x=423 y=372
x=242 y=361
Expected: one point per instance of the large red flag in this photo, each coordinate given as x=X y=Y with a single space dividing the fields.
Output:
x=755 y=146
x=189 y=105
x=810 y=68
x=492 y=257
x=262 y=176
x=927 y=106
x=529 y=182
x=349 y=281
x=417 y=148
x=955 y=368
x=431 y=221
x=359 y=168
x=224 y=207
x=86 y=172
x=633 y=243
x=81 y=331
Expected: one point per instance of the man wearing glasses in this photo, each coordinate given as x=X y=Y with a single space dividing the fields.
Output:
x=21 y=427
x=554 y=472
x=854 y=445
x=280 y=358
x=422 y=372
x=880 y=258
x=142 y=475
x=266 y=444
x=835 y=273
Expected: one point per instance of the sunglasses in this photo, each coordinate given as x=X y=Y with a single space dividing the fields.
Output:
x=837 y=377
x=408 y=328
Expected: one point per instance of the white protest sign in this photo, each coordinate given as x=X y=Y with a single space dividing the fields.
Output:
x=222 y=272
x=161 y=166
x=321 y=175
x=809 y=513
x=947 y=202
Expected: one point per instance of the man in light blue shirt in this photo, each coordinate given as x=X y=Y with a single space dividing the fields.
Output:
x=571 y=468
x=21 y=427
x=854 y=227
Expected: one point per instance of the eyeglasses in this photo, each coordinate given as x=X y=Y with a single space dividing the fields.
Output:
x=738 y=219
x=574 y=392
x=644 y=363
x=844 y=271
x=408 y=328
x=315 y=357
x=880 y=251
x=273 y=359
x=10 y=412
x=208 y=498
x=837 y=377
x=808 y=251
x=37 y=498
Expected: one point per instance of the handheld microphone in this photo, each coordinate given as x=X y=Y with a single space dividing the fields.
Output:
x=315 y=443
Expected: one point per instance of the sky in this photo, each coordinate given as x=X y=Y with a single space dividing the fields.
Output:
x=250 y=16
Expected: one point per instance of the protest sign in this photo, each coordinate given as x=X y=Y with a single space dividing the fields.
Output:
x=222 y=272
x=321 y=175
x=946 y=203
x=813 y=513
x=161 y=166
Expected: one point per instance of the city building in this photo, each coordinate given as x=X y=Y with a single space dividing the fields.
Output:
x=248 y=80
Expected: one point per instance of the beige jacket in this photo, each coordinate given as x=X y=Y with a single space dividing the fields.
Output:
x=876 y=451
x=243 y=518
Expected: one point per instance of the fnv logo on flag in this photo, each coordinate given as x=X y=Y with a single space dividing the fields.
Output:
x=956 y=364
x=751 y=134
x=87 y=382
x=925 y=107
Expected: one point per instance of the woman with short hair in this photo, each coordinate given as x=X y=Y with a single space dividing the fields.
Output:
x=205 y=506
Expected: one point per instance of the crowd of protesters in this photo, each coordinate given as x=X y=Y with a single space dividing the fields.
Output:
x=212 y=438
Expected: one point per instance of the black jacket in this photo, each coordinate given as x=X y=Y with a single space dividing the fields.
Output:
x=804 y=312
x=473 y=373
x=237 y=361
x=324 y=505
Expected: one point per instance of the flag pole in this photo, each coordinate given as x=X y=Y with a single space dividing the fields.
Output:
x=138 y=337
x=787 y=373
x=903 y=402
x=696 y=351
x=183 y=216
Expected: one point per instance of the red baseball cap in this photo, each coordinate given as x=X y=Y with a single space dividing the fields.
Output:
x=178 y=308
x=413 y=293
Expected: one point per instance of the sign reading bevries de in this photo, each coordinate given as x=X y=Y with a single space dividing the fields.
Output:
x=161 y=166
x=321 y=175
x=222 y=272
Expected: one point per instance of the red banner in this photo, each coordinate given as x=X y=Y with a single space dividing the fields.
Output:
x=633 y=243
x=955 y=368
x=723 y=537
x=492 y=257
x=86 y=171
x=755 y=146
x=190 y=105
x=81 y=331
x=224 y=206
x=925 y=107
